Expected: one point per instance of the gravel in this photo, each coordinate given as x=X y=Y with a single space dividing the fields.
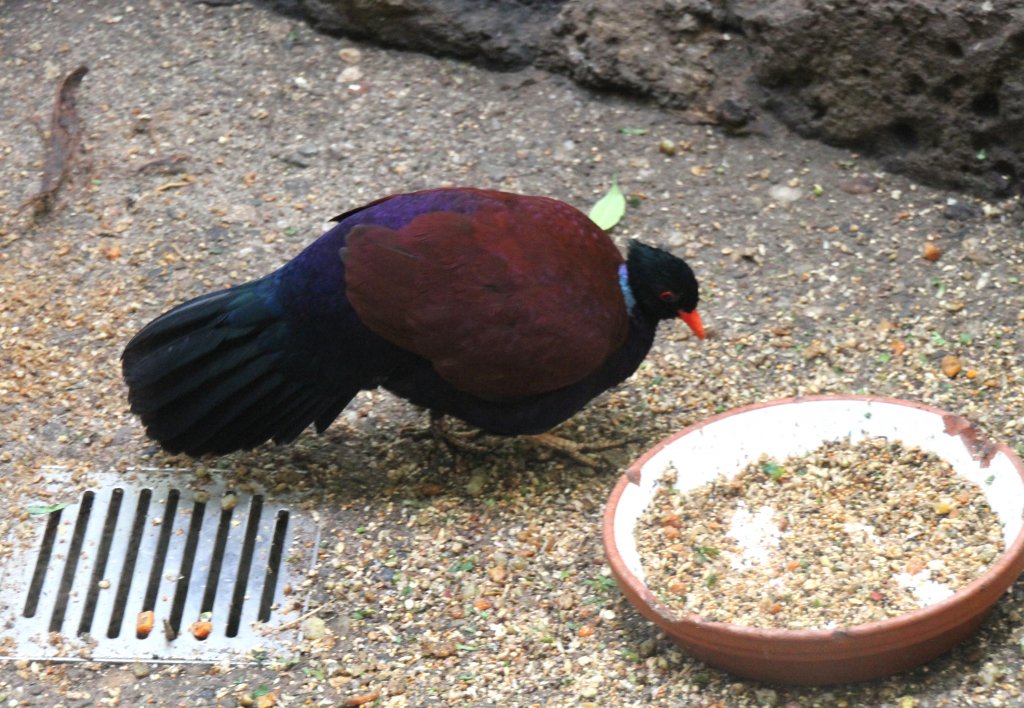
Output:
x=844 y=535
x=197 y=173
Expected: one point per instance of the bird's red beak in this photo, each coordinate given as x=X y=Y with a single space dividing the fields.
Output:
x=692 y=319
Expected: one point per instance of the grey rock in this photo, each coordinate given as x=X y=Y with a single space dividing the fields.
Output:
x=934 y=88
x=666 y=50
x=499 y=32
x=961 y=211
x=296 y=160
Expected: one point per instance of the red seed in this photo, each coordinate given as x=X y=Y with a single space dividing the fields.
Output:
x=201 y=629
x=144 y=624
x=677 y=587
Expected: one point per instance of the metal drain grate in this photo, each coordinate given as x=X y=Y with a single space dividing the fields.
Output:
x=82 y=585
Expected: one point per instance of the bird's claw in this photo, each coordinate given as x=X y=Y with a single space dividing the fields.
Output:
x=576 y=451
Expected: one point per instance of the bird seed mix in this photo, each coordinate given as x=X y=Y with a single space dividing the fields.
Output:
x=846 y=534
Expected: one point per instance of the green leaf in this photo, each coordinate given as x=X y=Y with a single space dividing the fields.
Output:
x=602 y=583
x=705 y=554
x=260 y=691
x=282 y=664
x=633 y=131
x=463 y=566
x=609 y=208
x=43 y=510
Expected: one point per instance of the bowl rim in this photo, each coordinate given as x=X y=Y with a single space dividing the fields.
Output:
x=993 y=582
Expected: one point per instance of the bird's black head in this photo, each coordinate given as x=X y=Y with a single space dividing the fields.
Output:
x=664 y=286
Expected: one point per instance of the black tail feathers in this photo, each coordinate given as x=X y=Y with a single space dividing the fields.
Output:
x=216 y=374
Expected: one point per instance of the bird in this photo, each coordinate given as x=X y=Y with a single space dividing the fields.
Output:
x=506 y=311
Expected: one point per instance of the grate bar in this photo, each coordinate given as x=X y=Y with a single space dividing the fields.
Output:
x=67 y=579
x=126 y=571
x=35 y=588
x=216 y=561
x=100 y=562
x=273 y=579
x=188 y=559
x=159 y=558
x=244 y=564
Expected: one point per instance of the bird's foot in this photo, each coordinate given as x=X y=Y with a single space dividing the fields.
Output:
x=441 y=431
x=574 y=450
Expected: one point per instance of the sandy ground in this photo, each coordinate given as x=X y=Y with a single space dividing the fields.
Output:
x=218 y=141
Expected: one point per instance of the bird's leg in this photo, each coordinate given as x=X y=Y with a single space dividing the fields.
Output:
x=575 y=450
x=441 y=431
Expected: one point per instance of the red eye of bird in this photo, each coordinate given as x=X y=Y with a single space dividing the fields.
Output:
x=667 y=296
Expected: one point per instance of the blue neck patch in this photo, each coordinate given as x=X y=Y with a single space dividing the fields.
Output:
x=627 y=292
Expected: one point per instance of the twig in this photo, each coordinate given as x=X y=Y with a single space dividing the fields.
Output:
x=294 y=622
x=363 y=699
x=171 y=164
x=65 y=140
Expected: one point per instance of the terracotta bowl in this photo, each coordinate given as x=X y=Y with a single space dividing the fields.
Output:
x=728 y=442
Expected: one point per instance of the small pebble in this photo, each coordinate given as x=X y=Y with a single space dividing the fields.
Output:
x=784 y=194
x=476 y=484
x=647 y=647
x=314 y=628
x=350 y=55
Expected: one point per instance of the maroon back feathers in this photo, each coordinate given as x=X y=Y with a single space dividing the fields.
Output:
x=518 y=298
